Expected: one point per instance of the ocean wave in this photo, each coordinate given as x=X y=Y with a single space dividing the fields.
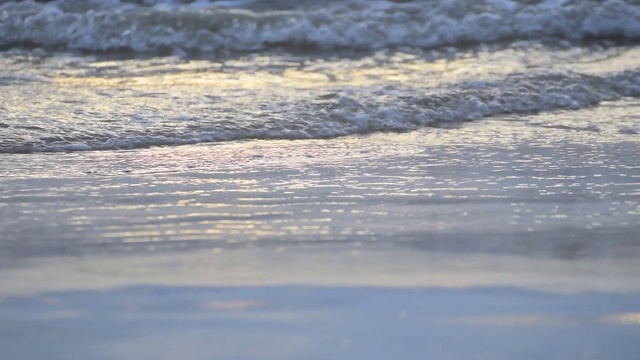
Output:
x=213 y=26
x=396 y=108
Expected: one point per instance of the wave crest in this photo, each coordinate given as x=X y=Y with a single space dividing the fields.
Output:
x=387 y=108
x=210 y=26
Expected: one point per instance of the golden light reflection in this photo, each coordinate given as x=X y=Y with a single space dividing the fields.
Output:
x=632 y=318
x=234 y=305
x=252 y=74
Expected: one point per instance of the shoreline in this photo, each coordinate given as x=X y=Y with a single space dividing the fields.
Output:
x=490 y=192
x=323 y=266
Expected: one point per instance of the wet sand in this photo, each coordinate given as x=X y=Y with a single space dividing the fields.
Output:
x=516 y=237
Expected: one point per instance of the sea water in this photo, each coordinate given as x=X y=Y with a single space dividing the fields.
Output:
x=126 y=75
x=305 y=179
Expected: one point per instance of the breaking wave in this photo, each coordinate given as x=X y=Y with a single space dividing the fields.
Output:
x=213 y=26
x=333 y=114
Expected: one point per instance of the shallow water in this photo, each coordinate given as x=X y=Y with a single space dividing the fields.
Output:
x=530 y=185
x=509 y=236
x=286 y=180
x=97 y=103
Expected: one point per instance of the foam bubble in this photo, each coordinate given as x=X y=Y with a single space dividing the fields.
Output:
x=204 y=26
x=399 y=108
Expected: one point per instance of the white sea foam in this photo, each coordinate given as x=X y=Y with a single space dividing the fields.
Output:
x=319 y=115
x=85 y=103
x=210 y=26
